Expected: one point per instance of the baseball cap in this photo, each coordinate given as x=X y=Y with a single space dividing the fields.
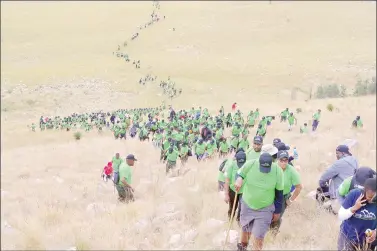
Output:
x=131 y=157
x=258 y=140
x=241 y=157
x=272 y=150
x=281 y=146
x=283 y=154
x=343 y=149
x=371 y=184
x=276 y=140
x=265 y=162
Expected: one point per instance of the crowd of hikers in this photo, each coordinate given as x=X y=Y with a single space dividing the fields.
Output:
x=258 y=178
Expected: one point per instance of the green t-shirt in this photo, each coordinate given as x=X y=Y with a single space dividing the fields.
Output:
x=244 y=144
x=231 y=169
x=125 y=172
x=173 y=156
x=116 y=163
x=184 y=150
x=316 y=116
x=224 y=146
x=259 y=188
x=344 y=188
x=251 y=154
x=200 y=148
x=291 y=178
x=211 y=148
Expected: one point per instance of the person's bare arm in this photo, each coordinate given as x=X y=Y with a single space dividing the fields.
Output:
x=124 y=182
x=296 y=192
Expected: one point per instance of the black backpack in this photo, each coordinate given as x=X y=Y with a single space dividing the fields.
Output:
x=222 y=165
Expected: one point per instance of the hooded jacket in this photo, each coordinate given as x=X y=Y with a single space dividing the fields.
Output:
x=337 y=173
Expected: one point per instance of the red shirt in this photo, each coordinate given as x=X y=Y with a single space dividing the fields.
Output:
x=108 y=170
x=234 y=106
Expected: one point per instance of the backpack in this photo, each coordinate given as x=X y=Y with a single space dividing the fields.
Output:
x=222 y=165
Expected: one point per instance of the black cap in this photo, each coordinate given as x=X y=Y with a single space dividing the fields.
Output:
x=283 y=154
x=265 y=162
x=281 y=146
x=343 y=149
x=131 y=157
x=258 y=140
x=275 y=141
x=241 y=157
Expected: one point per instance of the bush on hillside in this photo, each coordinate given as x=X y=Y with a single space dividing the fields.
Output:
x=77 y=135
x=330 y=91
x=365 y=87
x=330 y=107
x=298 y=110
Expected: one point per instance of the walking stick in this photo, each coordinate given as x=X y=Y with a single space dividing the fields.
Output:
x=231 y=220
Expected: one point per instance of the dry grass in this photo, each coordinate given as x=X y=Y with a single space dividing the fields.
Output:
x=252 y=53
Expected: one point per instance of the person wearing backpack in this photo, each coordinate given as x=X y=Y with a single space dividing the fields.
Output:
x=356 y=181
x=116 y=161
x=232 y=166
x=123 y=184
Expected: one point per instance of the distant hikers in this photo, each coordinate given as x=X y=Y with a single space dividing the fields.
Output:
x=357 y=123
x=358 y=215
x=316 y=118
x=123 y=185
x=345 y=166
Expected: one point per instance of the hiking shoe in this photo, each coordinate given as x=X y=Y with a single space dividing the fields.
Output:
x=240 y=247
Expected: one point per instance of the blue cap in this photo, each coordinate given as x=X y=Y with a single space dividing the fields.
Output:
x=265 y=162
x=343 y=149
x=258 y=140
x=131 y=157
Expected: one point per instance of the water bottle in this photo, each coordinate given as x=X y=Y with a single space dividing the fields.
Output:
x=295 y=153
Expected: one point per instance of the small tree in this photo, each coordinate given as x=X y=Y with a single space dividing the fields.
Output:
x=330 y=107
x=77 y=135
x=320 y=92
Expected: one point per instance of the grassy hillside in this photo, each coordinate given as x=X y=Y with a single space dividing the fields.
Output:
x=57 y=58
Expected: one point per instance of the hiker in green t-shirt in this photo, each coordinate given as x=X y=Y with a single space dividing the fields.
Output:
x=291 y=121
x=232 y=166
x=184 y=153
x=171 y=157
x=123 y=185
x=262 y=198
x=291 y=179
x=357 y=123
x=284 y=115
x=304 y=129
x=255 y=151
x=223 y=147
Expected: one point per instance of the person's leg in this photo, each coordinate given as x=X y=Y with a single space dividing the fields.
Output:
x=121 y=193
x=220 y=186
x=261 y=226
x=129 y=196
x=238 y=207
x=275 y=226
x=230 y=203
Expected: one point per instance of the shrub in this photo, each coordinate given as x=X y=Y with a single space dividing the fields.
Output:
x=332 y=91
x=361 y=88
x=330 y=107
x=298 y=110
x=77 y=135
x=328 y=91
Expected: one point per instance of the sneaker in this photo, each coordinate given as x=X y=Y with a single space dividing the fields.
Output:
x=240 y=247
